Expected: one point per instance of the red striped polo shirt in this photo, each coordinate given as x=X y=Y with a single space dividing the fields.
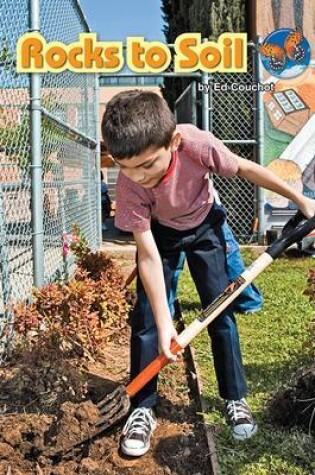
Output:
x=185 y=195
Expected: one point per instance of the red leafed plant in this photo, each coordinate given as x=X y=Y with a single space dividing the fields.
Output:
x=66 y=324
x=78 y=316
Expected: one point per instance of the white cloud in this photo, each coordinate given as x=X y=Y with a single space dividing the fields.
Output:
x=292 y=72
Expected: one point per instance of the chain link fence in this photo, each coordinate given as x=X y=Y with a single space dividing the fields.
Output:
x=232 y=117
x=69 y=155
x=233 y=120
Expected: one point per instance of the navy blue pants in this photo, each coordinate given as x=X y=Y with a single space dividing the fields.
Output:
x=205 y=250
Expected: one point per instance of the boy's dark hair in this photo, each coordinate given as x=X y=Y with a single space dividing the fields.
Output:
x=136 y=120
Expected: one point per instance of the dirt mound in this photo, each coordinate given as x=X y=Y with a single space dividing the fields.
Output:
x=29 y=436
x=28 y=440
x=295 y=405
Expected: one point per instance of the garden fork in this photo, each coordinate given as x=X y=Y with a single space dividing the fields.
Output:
x=116 y=405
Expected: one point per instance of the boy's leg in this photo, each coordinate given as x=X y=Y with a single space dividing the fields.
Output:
x=144 y=341
x=207 y=263
x=174 y=283
x=137 y=432
x=250 y=299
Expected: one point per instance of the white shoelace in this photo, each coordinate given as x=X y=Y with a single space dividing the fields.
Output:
x=139 y=422
x=238 y=410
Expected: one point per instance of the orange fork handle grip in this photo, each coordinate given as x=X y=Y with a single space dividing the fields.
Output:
x=151 y=370
x=131 y=277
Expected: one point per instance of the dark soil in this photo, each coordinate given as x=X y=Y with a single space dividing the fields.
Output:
x=295 y=405
x=28 y=435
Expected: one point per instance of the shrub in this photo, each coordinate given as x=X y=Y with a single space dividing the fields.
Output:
x=66 y=324
x=76 y=317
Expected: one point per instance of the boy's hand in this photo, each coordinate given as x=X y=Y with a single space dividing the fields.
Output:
x=166 y=334
x=307 y=206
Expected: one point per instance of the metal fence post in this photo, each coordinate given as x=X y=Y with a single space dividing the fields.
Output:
x=205 y=99
x=260 y=151
x=4 y=255
x=98 y=162
x=205 y=103
x=36 y=162
x=194 y=118
x=6 y=319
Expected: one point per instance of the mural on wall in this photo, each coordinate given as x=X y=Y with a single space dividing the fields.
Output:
x=287 y=28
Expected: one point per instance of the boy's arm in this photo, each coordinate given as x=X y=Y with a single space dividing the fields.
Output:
x=261 y=176
x=151 y=272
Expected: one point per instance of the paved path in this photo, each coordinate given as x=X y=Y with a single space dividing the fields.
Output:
x=114 y=241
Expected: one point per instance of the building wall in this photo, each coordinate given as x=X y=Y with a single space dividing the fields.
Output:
x=289 y=151
x=272 y=15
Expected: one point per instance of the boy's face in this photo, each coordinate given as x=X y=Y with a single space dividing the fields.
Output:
x=148 y=168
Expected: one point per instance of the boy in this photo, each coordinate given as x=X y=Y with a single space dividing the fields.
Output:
x=165 y=197
x=250 y=300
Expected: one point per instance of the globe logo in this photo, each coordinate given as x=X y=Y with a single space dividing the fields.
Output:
x=285 y=53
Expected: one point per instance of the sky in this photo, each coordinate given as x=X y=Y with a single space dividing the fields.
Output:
x=116 y=19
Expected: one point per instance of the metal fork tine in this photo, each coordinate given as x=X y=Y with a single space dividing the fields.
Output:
x=77 y=447
x=119 y=416
x=108 y=415
x=113 y=408
x=117 y=392
x=107 y=406
x=111 y=404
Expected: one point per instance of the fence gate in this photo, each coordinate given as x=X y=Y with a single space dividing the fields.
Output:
x=232 y=115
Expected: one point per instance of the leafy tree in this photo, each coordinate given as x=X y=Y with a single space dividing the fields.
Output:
x=209 y=17
x=226 y=16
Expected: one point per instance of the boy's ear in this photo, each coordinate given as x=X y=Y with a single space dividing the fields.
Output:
x=176 y=140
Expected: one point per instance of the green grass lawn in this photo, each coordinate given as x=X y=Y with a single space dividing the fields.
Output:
x=272 y=346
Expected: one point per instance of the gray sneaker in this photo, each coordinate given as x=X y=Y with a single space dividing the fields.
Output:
x=241 y=419
x=137 y=432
